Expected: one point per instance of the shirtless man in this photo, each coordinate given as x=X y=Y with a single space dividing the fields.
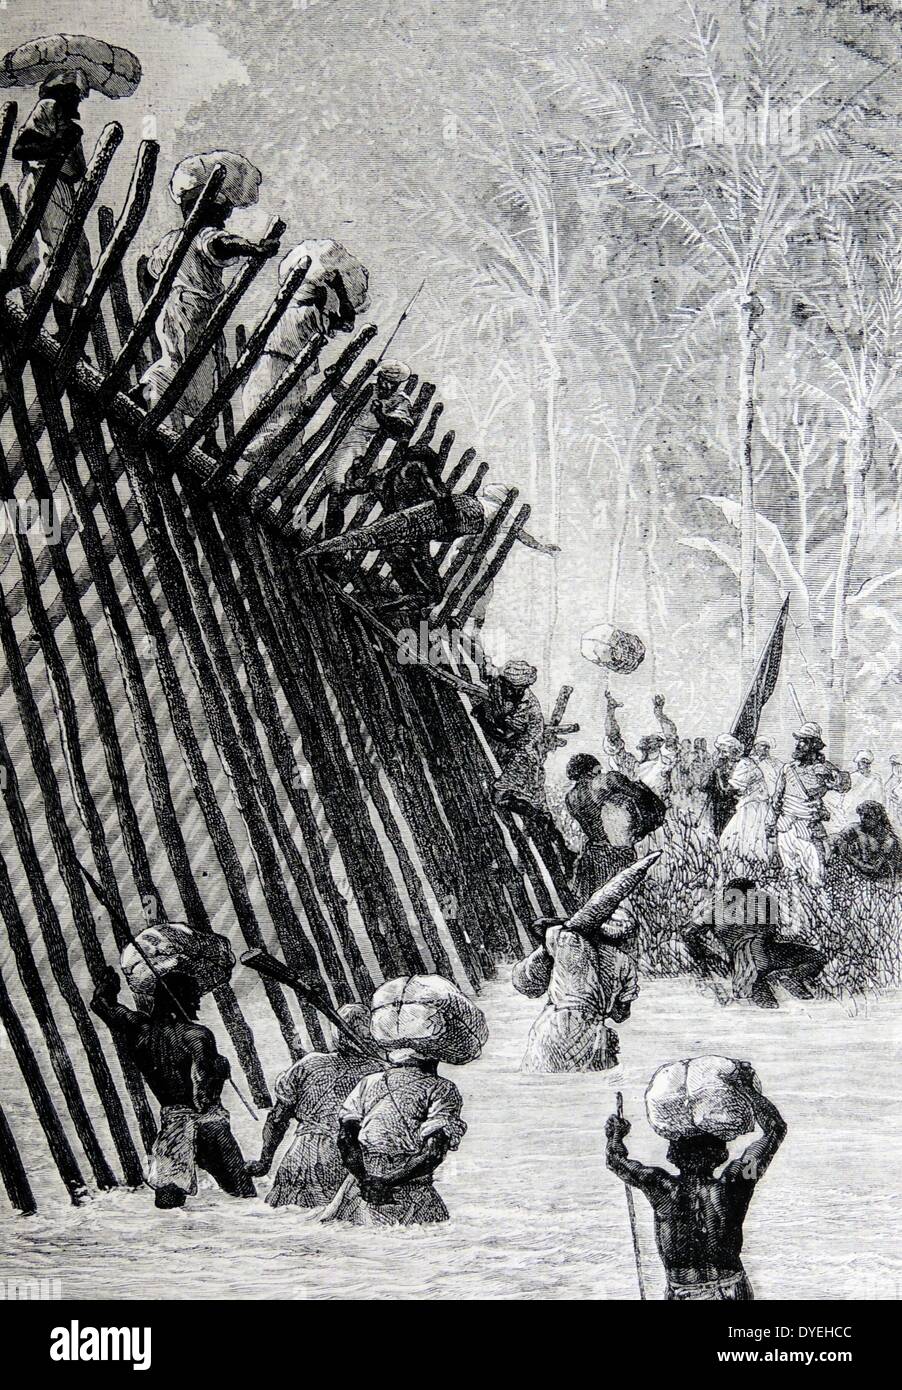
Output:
x=178 y=1059
x=699 y=1216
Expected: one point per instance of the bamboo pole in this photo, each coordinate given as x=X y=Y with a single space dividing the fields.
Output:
x=70 y=593
x=71 y=738
x=493 y=568
x=335 y=781
x=58 y=959
x=64 y=850
x=7 y=126
x=212 y=331
x=328 y=634
x=460 y=577
x=57 y=1141
x=466 y=794
x=338 y=420
x=123 y=317
x=214 y=550
x=67 y=246
x=12 y=1170
x=39 y=1004
x=151 y=310
x=451 y=481
x=286 y=383
x=245 y=789
x=244 y=363
x=25 y=230
x=229 y=720
x=145 y=722
x=109 y=263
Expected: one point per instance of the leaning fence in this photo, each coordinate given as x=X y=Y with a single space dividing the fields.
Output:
x=219 y=726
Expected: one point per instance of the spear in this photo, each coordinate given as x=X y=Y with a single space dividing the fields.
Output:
x=405 y=311
x=160 y=979
x=349 y=403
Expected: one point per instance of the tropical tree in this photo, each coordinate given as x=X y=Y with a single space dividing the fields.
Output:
x=852 y=316
x=499 y=241
x=734 y=162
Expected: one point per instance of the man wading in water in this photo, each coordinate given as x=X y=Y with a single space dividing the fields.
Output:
x=178 y=1059
x=699 y=1217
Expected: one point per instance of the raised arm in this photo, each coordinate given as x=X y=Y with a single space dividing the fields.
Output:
x=532 y=976
x=648 y=1180
x=225 y=245
x=668 y=728
x=756 y=1158
x=611 y=727
x=105 y=1005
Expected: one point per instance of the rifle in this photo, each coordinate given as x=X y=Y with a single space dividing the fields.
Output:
x=160 y=979
x=307 y=990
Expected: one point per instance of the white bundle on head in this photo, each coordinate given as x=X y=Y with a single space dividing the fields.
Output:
x=325 y=254
x=429 y=1015
x=699 y=1096
x=240 y=188
x=164 y=947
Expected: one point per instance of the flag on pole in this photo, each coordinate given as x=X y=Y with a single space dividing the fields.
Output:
x=764 y=682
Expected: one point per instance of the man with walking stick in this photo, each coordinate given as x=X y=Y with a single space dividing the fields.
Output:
x=698 y=1214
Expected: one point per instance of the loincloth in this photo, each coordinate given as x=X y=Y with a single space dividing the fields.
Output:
x=729 y=1288
x=173 y=1158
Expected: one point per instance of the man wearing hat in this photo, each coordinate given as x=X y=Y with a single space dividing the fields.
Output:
x=584 y=967
x=769 y=765
x=797 y=813
x=512 y=721
x=198 y=286
x=51 y=129
x=866 y=786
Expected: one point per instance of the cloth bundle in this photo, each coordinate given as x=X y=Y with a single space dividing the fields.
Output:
x=429 y=1015
x=325 y=254
x=613 y=648
x=173 y=946
x=699 y=1096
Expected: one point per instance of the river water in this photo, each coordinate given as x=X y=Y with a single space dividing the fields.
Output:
x=534 y=1213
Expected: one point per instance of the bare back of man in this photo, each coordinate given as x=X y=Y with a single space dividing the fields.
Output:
x=698 y=1215
x=182 y=1066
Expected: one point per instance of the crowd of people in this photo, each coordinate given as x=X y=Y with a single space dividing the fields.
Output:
x=754 y=873
x=823 y=840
